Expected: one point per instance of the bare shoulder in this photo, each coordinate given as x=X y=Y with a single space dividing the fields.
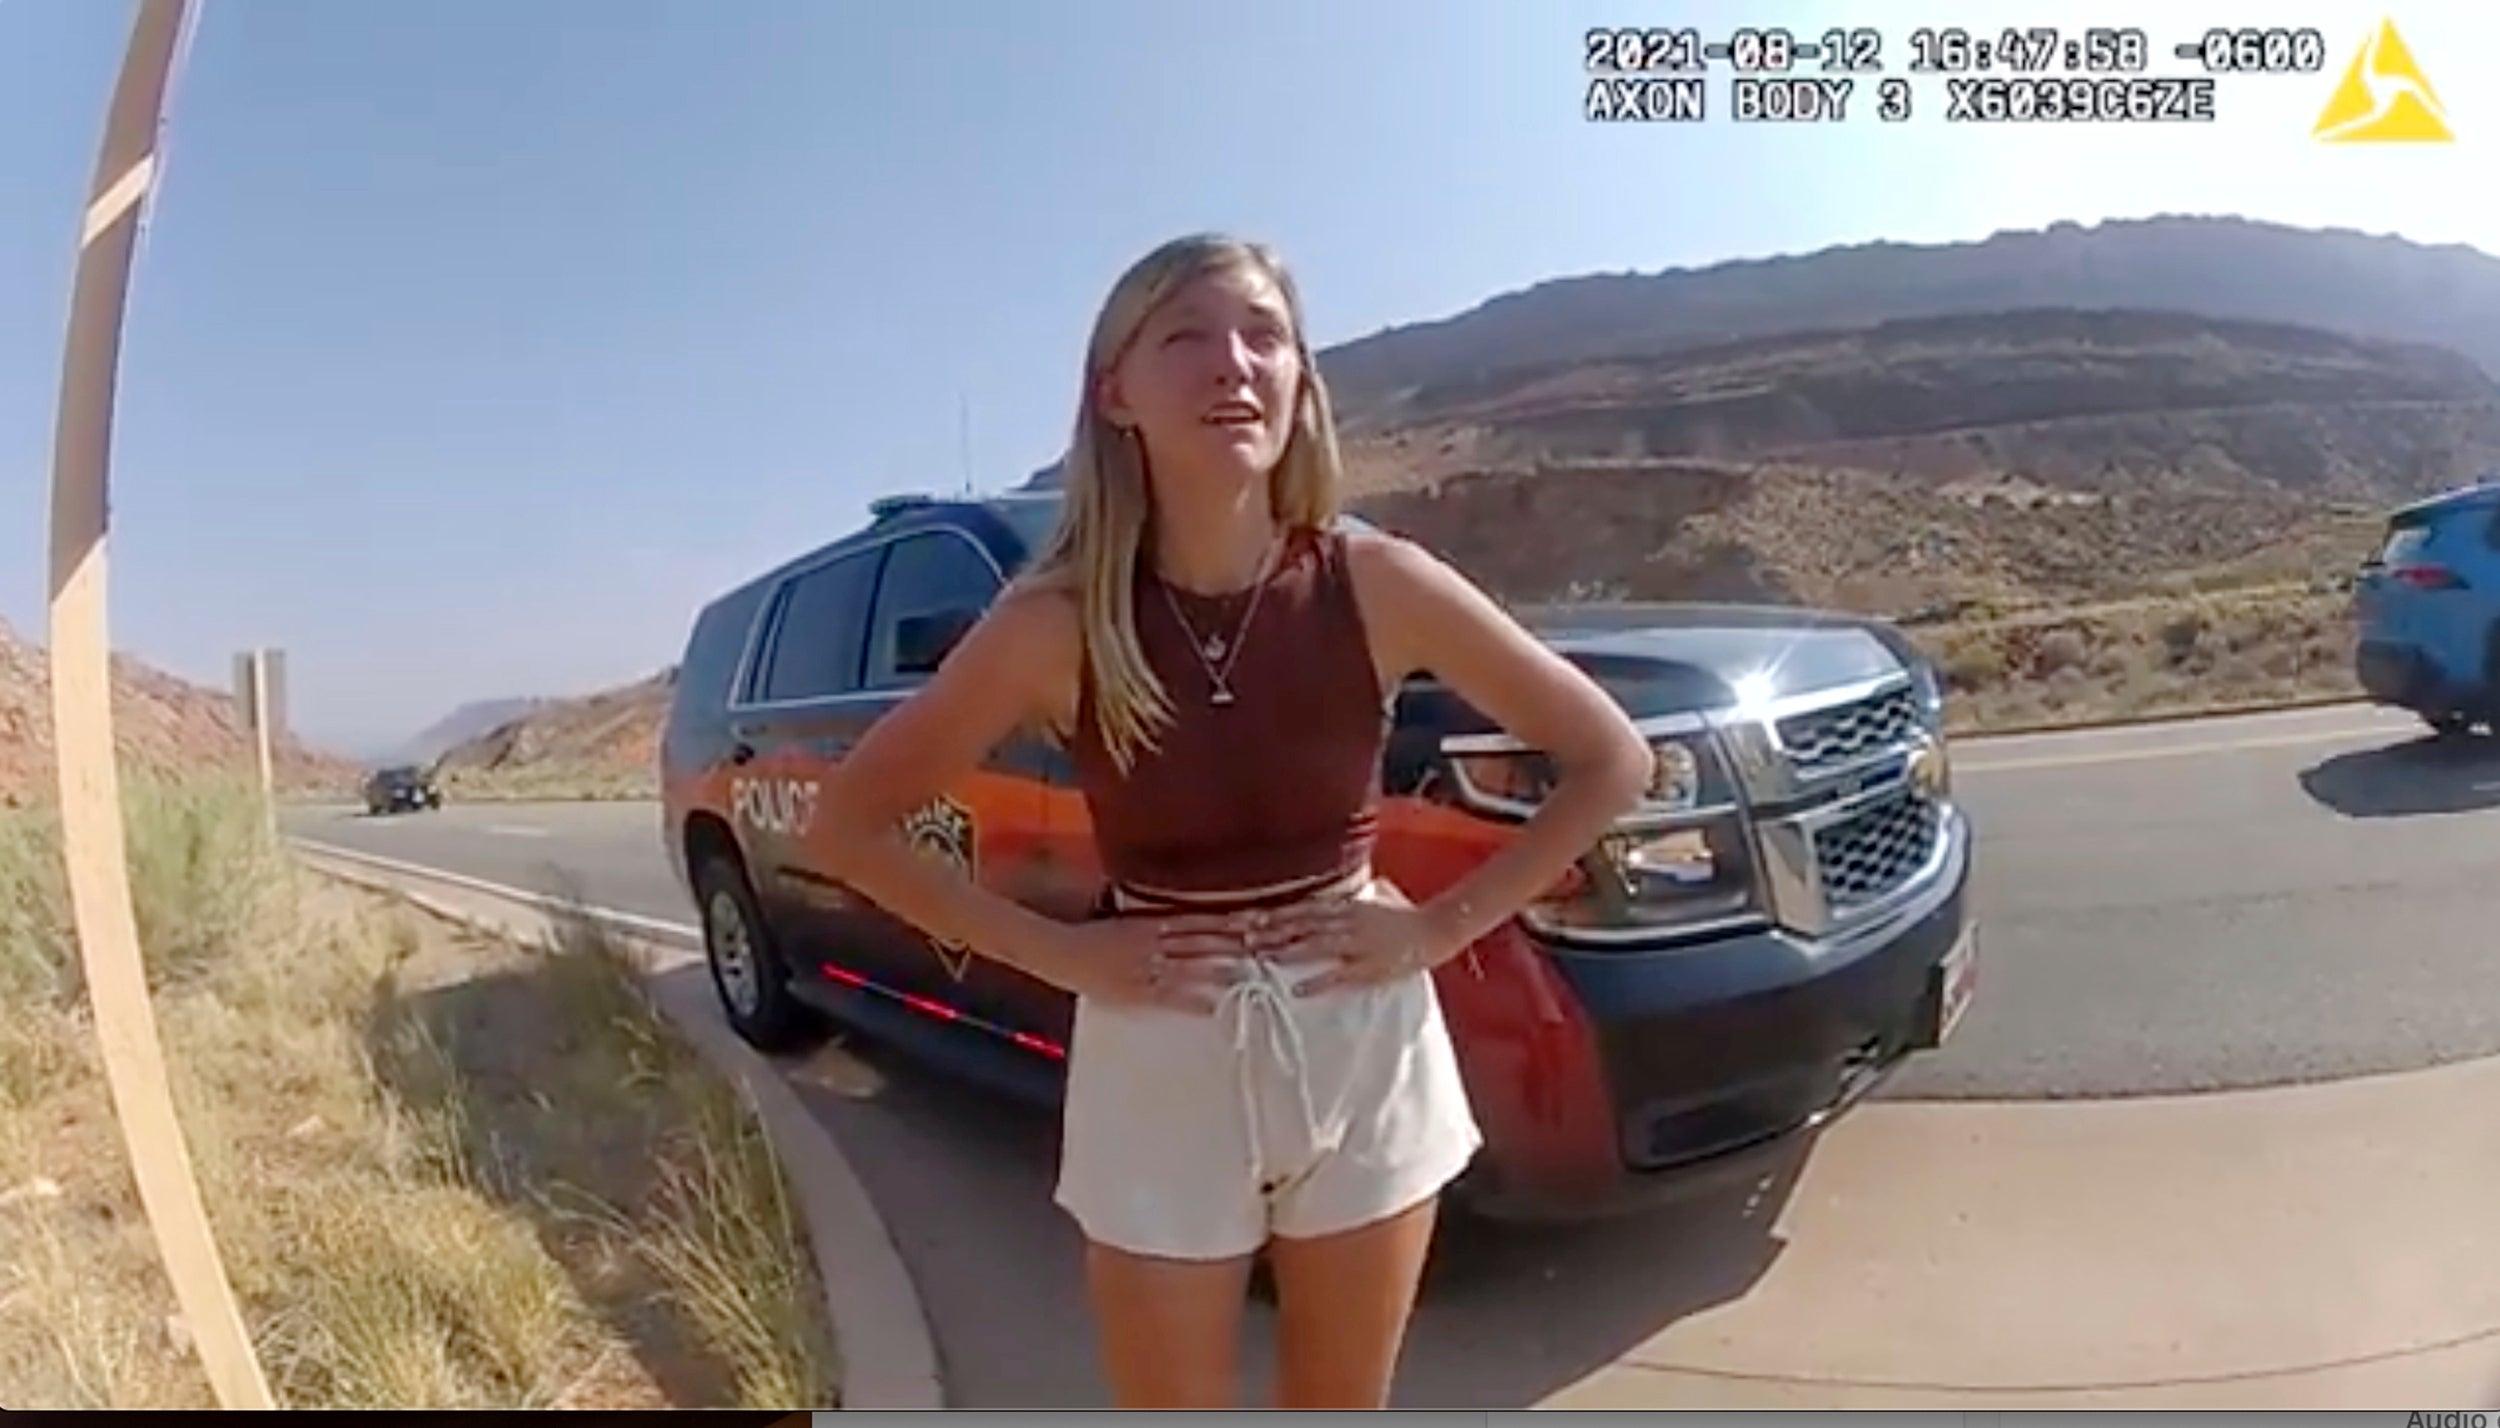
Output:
x=1416 y=602
x=1392 y=572
x=1431 y=616
x=1425 y=614
x=1374 y=554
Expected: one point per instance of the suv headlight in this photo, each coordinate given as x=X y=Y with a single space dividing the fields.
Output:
x=1928 y=683
x=1681 y=861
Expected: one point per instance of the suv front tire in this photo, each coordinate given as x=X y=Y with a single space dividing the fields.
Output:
x=752 y=981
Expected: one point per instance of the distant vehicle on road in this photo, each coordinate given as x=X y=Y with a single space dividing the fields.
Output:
x=2428 y=607
x=401 y=788
x=1781 y=925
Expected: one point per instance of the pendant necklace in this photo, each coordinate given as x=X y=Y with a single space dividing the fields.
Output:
x=1216 y=654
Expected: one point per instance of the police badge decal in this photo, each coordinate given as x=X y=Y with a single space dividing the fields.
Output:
x=944 y=830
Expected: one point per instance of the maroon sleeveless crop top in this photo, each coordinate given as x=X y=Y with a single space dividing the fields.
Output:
x=1282 y=783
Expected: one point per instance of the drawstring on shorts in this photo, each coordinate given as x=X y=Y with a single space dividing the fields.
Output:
x=1258 y=1015
x=1264 y=994
x=1351 y=1101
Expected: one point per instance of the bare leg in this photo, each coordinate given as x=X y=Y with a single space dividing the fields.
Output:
x=1169 y=1329
x=1343 y=1302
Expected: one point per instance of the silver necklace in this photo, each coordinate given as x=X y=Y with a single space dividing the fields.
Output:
x=1216 y=655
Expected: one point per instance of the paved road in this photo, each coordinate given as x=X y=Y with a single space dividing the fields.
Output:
x=2227 y=903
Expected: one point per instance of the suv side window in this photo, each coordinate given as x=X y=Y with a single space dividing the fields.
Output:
x=815 y=644
x=2406 y=537
x=925 y=573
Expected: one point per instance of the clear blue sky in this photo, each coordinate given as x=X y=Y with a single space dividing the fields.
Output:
x=476 y=342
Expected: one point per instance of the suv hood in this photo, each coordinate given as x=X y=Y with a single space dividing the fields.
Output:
x=1661 y=659
x=1668 y=659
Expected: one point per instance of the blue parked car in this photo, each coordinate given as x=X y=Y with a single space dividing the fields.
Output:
x=2429 y=610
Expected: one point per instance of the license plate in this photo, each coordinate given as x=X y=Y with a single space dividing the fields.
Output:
x=1958 y=978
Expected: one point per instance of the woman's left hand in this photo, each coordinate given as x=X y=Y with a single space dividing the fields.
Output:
x=1360 y=942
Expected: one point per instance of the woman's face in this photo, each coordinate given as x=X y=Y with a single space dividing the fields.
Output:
x=1211 y=378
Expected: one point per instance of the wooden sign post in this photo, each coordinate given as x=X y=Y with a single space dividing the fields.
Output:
x=256 y=691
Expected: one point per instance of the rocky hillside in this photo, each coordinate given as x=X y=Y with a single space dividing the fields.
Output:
x=163 y=726
x=469 y=721
x=602 y=745
x=2083 y=514
x=2230 y=268
x=2007 y=459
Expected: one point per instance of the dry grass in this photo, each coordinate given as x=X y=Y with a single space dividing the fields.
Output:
x=445 y=1172
x=2264 y=649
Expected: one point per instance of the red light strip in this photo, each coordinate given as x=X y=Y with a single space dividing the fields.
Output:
x=940 y=1011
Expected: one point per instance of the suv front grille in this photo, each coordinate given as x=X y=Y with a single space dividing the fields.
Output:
x=1823 y=740
x=1848 y=825
x=1868 y=855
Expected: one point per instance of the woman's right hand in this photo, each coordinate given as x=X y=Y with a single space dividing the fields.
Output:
x=1178 y=962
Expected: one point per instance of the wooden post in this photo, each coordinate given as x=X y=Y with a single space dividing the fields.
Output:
x=92 y=834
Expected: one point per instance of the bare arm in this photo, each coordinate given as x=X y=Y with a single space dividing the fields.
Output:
x=1427 y=615
x=1008 y=672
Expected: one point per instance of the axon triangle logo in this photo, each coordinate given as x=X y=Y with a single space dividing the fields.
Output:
x=2384 y=98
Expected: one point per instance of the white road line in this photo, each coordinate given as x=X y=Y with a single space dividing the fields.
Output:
x=2316 y=718
x=637 y=922
x=516 y=830
x=2169 y=751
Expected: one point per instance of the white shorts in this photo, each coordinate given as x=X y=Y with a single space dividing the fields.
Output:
x=1189 y=1136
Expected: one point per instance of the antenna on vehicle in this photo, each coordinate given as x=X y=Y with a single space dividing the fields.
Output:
x=963 y=427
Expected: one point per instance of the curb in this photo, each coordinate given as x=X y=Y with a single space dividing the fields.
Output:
x=886 y=1355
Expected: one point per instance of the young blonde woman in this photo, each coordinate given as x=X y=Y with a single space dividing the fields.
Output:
x=1258 y=1061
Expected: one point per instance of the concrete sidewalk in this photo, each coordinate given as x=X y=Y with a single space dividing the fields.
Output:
x=2319 y=1246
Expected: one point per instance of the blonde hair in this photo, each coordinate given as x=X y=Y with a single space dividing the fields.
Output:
x=1109 y=502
